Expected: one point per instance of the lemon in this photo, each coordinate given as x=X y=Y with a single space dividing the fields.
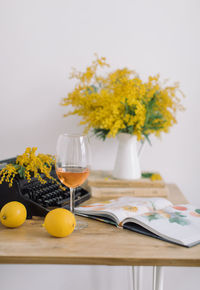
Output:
x=13 y=214
x=59 y=222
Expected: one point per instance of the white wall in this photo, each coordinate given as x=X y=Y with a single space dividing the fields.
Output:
x=39 y=43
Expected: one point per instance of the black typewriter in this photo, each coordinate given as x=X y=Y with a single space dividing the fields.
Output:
x=39 y=198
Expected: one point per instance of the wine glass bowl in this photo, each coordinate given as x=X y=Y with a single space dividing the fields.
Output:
x=72 y=176
x=73 y=163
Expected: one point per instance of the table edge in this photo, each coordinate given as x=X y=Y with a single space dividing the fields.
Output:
x=99 y=261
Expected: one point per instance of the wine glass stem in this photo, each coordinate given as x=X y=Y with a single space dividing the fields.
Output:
x=72 y=196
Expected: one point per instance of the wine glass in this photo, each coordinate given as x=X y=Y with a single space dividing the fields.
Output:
x=73 y=164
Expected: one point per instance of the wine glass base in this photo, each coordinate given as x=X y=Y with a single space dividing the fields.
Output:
x=80 y=225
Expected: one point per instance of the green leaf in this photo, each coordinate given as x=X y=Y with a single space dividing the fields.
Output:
x=153 y=114
x=197 y=210
x=101 y=133
x=130 y=129
x=179 y=214
x=94 y=88
x=147 y=174
x=21 y=171
x=147 y=138
x=153 y=216
x=179 y=220
x=128 y=109
x=17 y=166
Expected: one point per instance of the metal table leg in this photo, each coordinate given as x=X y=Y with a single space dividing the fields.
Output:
x=158 y=278
x=137 y=277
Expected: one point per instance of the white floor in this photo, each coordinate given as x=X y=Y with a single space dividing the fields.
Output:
x=60 y=277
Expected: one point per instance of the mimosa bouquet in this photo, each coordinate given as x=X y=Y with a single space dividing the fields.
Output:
x=121 y=102
x=29 y=165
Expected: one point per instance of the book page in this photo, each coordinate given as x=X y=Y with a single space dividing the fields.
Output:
x=179 y=223
x=124 y=207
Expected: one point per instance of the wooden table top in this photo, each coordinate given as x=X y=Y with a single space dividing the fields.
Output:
x=98 y=244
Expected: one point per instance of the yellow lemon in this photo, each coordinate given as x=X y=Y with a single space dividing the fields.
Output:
x=13 y=214
x=59 y=222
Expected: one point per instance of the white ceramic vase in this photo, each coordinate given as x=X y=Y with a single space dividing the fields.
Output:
x=127 y=164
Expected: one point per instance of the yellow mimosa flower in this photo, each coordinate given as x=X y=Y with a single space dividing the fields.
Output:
x=120 y=101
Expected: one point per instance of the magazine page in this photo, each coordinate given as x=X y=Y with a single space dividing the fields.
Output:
x=178 y=223
x=124 y=207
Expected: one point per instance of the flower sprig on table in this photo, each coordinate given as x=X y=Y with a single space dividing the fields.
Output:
x=29 y=165
x=152 y=176
x=120 y=102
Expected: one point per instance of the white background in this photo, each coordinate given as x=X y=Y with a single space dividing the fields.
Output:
x=40 y=41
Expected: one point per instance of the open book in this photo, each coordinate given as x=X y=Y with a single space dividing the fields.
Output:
x=155 y=217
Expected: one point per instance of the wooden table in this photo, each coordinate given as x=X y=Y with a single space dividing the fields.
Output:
x=98 y=244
